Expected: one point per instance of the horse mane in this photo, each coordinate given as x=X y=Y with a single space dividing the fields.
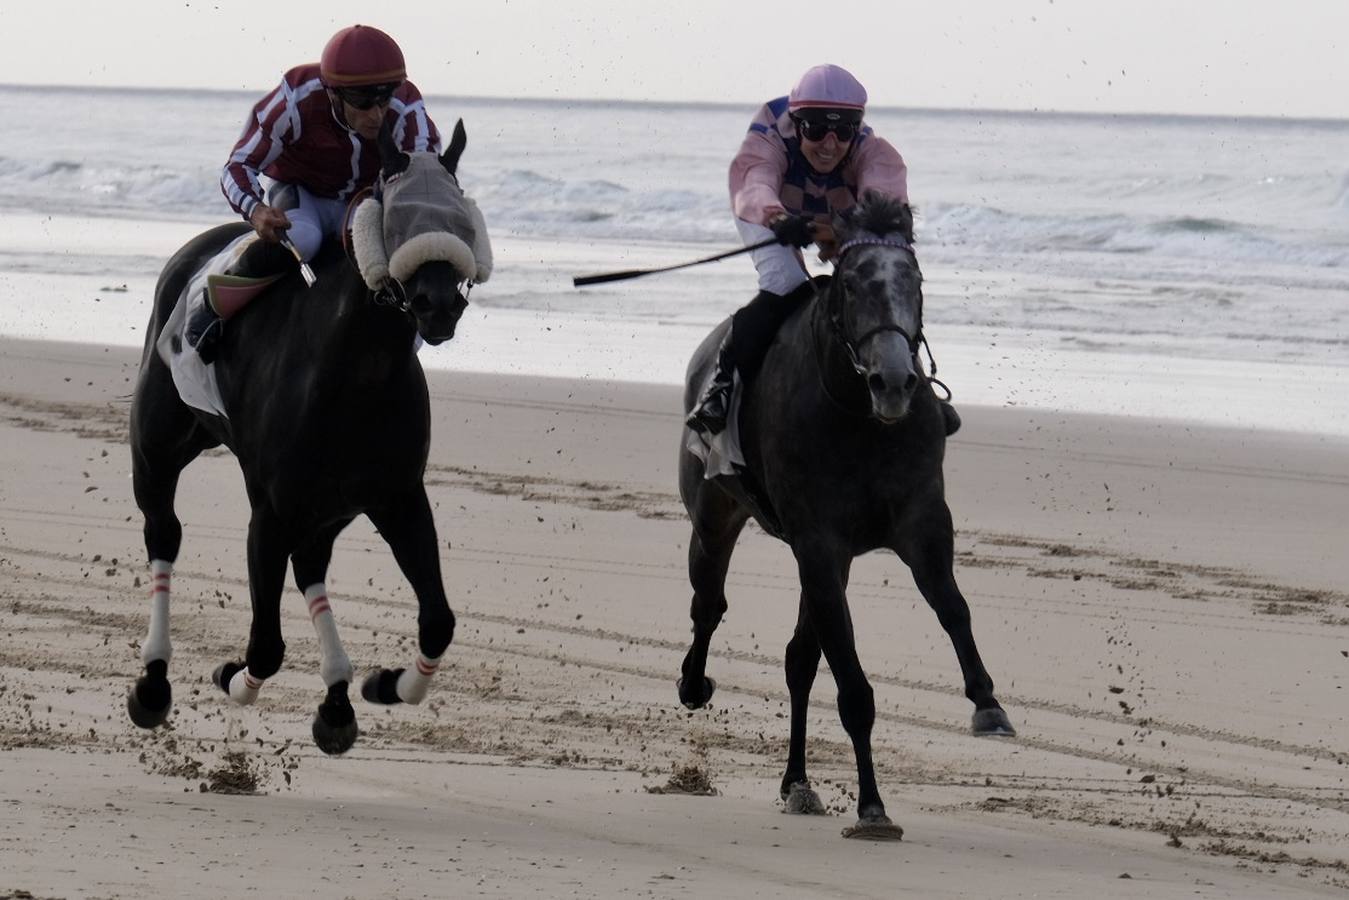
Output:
x=877 y=214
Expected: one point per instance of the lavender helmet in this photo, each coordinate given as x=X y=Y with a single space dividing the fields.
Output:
x=827 y=93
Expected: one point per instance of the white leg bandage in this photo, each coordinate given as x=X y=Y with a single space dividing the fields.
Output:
x=413 y=683
x=157 y=644
x=334 y=665
x=244 y=687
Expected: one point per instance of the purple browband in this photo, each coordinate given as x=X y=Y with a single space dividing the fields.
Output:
x=876 y=242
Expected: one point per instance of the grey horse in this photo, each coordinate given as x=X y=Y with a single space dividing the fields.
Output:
x=843 y=443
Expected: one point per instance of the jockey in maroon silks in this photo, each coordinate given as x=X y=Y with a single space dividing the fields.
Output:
x=315 y=136
x=806 y=157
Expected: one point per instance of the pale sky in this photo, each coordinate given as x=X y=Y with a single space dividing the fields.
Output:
x=1239 y=57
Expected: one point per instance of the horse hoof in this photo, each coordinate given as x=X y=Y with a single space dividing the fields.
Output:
x=802 y=800
x=992 y=723
x=695 y=701
x=224 y=673
x=874 y=828
x=382 y=687
x=149 y=701
x=335 y=722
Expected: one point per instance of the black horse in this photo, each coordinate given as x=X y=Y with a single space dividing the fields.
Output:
x=843 y=443
x=328 y=415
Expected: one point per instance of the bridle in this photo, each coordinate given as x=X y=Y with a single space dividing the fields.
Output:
x=851 y=346
x=391 y=291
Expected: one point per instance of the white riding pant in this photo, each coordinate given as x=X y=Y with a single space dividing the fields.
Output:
x=313 y=220
x=781 y=269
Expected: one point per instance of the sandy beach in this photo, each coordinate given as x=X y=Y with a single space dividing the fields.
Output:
x=1165 y=610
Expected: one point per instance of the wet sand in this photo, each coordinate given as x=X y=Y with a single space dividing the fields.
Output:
x=1164 y=610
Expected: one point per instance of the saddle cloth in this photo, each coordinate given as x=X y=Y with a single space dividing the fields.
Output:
x=195 y=379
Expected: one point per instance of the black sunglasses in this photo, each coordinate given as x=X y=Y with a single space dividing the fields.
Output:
x=366 y=98
x=816 y=131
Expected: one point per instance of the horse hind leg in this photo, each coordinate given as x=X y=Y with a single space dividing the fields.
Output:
x=165 y=438
x=267 y=553
x=709 y=559
x=802 y=664
x=410 y=530
x=151 y=697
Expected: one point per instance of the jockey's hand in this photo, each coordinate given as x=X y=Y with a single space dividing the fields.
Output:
x=793 y=231
x=825 y=240
x=270 y=223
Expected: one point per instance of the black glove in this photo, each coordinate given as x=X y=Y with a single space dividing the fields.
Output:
x=793 y=231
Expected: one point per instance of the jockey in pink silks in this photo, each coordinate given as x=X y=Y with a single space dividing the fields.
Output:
x=806 y=157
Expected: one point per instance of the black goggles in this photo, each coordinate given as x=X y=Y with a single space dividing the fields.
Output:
x=816 y=131
x=364 y=98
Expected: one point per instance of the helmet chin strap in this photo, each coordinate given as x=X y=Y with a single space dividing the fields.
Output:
x=339 y=115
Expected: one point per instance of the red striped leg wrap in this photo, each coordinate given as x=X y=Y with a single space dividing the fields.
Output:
x=334 y=666
x=157 y=645
x=318 y=605
x=244 y=687
x=414 y=682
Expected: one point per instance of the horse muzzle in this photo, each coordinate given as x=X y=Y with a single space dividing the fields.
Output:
x=437 y=321
x=892 y=379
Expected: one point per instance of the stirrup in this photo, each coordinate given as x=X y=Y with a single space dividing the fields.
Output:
x=203 y=332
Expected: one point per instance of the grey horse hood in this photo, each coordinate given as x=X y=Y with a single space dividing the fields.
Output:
x=424 y=216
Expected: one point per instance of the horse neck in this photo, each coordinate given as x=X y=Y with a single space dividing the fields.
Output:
x=354 y=328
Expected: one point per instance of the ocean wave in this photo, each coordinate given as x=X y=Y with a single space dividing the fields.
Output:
x=68 y=186
x=988 y=229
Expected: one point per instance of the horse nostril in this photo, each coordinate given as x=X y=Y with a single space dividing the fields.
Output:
x=876 y=383
x=911 y=383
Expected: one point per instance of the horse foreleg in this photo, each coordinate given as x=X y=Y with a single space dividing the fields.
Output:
x=267 y=553
x=410 y=530
x=824 y=568
x=334 y=727
x=802 y=663
x=930 y=557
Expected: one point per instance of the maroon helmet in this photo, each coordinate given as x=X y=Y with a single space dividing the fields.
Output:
x=361 y=56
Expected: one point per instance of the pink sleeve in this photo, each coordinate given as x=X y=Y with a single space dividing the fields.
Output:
x=756 y=177
x=879 y=167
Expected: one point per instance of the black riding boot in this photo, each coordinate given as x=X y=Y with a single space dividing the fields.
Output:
x=753 y=328
x=709 y=416
x=259 y=260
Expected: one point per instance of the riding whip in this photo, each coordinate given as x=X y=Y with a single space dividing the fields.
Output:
x=305 y=272
x=585 y=280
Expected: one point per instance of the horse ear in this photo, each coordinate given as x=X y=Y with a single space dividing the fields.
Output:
x=391 y=159
x=450 y=158
x=906 y=222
